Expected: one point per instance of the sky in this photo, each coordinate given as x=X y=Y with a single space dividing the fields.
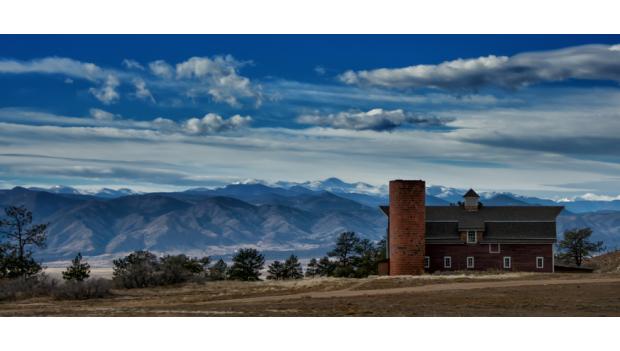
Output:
x=537 y=115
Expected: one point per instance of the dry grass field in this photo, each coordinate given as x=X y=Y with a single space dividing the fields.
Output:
x=512 y=294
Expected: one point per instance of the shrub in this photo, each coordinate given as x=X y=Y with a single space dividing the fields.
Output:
x=180 y=269
x=143 y=269
x=25 y=288
x=43 y=286
x=82 y=290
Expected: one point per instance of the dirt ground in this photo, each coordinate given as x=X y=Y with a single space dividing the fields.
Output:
x=521 y=294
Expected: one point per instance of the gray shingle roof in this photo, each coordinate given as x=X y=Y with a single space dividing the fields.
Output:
x=502 y=224
x=476 y=219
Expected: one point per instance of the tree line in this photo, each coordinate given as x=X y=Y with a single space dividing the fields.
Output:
x=351 y=257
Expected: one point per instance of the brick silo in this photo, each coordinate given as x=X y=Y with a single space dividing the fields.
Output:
x=407 y=227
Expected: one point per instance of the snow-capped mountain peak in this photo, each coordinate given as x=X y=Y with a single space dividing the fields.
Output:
x=103 y=192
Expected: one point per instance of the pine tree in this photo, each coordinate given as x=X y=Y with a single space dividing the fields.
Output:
x=311 y=268
x=137 y=270
x=21 y=235
x=366 y=260
x=325 y=267
x=292 y=268
x=382 y=250
x=247 y=264
x=343 y=252
x=219 y=270
x=78 y=271
x=276 y=271
x=576 y=245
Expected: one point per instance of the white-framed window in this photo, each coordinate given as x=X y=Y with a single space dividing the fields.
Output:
x=427 y=262
x=540 y=262
x=507 y=262
x=494 y=248
x=447 y=262
x=471 y=237
x=470 y=261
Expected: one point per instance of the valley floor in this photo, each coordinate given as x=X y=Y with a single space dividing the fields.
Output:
x=451 y=295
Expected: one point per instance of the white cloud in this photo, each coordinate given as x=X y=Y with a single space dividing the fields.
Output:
x=320 y=70
x=213 y=123
x=376 y=119
x=103 y=115
x=216 y=77
x=599 y=62
x=161 y=69
x=108 y=79
x=53 y=65
x=132 y=64
x=107 y=93
x=165 y=124
x=221 y=79
x=142 y=92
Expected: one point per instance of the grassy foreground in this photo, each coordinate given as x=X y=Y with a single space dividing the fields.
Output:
x=450 y=295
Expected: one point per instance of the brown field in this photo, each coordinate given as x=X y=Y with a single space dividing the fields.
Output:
x=520 y=294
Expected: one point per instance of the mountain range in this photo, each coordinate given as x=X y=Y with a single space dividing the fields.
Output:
x=279 y=219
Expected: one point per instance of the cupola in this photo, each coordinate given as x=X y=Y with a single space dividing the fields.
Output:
x=471 y=200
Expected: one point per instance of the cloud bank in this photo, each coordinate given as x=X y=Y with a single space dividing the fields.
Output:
x=597 y=62
x=376 y=119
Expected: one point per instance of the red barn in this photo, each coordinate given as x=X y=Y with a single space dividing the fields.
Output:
x=465 y=236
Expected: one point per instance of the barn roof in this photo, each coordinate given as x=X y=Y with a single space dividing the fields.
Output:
x=500 y=223
x=476 y=219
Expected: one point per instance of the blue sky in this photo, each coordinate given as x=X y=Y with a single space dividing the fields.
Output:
x=534 y=114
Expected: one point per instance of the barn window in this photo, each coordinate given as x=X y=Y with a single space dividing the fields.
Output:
x=470 y=262
x=494 y=248
x=447 y=262
x=540 y=262
x=427 y=262
x=507 y=262
x=471 y=237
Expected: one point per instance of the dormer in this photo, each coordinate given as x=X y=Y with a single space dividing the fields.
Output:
x=471 y=200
